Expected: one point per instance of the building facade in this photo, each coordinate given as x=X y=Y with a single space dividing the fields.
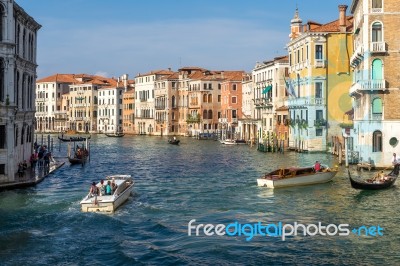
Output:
x=18 y=43
x=51 y=115
x=231 y=106
x=269 y=95
x=319 y=73
x=375 y=89
x=145 y=123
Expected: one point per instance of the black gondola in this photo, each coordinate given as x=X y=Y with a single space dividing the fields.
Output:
x=73 y=139
x=116 y=134
x=174 y=141
x=75 y=160
x=369 y=184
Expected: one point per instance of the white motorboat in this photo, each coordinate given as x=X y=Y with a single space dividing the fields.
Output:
x=109 y=203
x=296 y=176
x=229 y=142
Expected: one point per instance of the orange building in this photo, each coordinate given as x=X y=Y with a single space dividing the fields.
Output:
x=231 y=103
x=128 y=111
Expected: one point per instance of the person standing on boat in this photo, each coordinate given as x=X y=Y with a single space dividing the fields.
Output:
x=93 y=189
x=317 y=166
x=108 y=188
x=396 y=159
x=102 y=188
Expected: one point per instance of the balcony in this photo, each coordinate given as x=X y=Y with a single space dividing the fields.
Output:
x=193 y=119
x=378 y=47
x=222 y=120
x=160 y=107
x=377 y=10
x=320 y=63
x=357 y=56
x=368 y=85
x=234 y=120
x=320 y=122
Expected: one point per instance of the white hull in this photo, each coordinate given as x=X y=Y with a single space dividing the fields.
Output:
x=108 y=203
x=311 y=179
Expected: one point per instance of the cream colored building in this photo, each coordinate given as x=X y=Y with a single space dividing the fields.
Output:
x=319 y=73
x=145 y=123
x=18 y=45
x=51 y=115
x=375 y=89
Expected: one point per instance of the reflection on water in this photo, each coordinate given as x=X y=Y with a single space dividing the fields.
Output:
x=202 y=180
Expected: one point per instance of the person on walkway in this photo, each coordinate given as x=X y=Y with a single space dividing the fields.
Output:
x=33 y=161
x=20 y=170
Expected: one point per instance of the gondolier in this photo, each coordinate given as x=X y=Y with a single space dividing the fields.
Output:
x=395 y=159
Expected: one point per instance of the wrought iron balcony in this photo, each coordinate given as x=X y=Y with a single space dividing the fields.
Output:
x=193 y=119
x=320 y=123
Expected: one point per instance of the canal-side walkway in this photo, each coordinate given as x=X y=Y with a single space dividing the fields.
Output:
x=31 y=177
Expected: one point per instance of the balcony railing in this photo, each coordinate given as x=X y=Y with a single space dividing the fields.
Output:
x=320 y=123
x=357 y=56
x=234 y=120
x=378 y=47
x=368 y=85
x=193 y=119
x=319 y=62
x=160 y=107
x=376 y=10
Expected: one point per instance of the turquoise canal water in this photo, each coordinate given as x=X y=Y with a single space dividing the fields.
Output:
x=201 y=180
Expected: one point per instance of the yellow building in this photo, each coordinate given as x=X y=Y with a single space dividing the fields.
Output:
x=319 y=77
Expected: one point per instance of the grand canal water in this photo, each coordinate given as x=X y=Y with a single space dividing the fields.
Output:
x=202 y=180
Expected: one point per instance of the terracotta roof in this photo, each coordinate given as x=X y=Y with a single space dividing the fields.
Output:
x=333 y=26
x=156 y=72
x=282 y=108
x=60 y=78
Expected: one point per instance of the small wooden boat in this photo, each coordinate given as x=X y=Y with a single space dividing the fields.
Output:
x=109 y=203
x=296 y=176
x=174 y=141
x=72 y=139
x=379 y=181
x=115 y=134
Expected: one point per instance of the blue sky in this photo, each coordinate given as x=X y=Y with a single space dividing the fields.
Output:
x=111 y=38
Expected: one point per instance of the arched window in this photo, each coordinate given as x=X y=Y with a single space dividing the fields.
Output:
x=210 y=114
x=377 y=141
x=205 y=114
x=376 y=32
x=2 y=22
x=210 y=98
x=2 y=79
x=377 y=73
x=173 y=102
x=377 y=106
x=22 y=135
x=204 y=98
x=16 y=136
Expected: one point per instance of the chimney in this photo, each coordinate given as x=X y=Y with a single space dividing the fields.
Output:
x=342 y=18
